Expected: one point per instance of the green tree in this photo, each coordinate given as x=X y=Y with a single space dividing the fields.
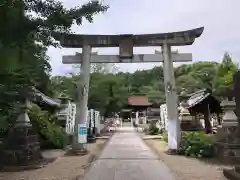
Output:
x=65 y=86
x=188 y=82
x=42 y=20
x=28 y=29
x=107 y=93
x=225 y=72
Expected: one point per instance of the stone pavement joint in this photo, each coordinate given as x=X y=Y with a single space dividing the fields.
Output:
x=127 y=157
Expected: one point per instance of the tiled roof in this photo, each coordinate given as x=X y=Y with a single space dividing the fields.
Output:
x=202 y=98
x=198 y=97
x=138 y=101
x=45 y=99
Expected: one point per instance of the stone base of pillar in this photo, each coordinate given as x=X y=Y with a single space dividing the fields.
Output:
x=171 y=152
x=228 y=153
x=227 y=147
x=22 y=148
x=78 y=150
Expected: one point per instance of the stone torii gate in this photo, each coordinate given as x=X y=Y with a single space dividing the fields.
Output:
x=126 y=44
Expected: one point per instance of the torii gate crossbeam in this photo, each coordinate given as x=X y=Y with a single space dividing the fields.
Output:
x=137 y=58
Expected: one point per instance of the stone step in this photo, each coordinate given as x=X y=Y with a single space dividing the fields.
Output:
x=231 y=174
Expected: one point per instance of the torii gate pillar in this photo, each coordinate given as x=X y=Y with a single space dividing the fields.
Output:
x=174 y=133
x=82 y=104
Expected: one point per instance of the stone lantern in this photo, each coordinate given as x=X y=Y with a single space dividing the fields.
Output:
x=231 y=144
x=228 y=140
x=22 y=147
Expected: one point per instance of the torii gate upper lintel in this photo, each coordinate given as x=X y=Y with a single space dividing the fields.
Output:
x=179 y=38
x=126 y=42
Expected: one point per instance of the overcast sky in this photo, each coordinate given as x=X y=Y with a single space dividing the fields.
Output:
x=219 y=17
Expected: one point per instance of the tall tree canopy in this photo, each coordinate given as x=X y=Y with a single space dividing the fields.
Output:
x=28 y=28
x=224 y=74
x=41 y=19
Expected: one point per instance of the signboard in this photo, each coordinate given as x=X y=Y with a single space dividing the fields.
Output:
x=82 y=133
x=126 y=47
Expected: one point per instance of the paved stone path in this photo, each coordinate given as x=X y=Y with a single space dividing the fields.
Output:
x=126 y=157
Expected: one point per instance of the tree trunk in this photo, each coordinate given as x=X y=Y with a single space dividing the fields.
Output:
x=208 y=126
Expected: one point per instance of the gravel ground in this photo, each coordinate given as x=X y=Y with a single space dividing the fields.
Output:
x=64 y=168
x=187 y=168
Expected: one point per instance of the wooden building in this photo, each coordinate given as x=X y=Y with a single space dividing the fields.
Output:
x=203 y=103
x=137 y=107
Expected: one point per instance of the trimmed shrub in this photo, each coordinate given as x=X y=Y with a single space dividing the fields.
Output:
x=153 y=129
x=196 y=144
